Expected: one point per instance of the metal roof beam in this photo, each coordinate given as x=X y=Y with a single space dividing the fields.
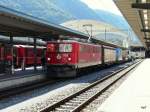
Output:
x=147 y=38
x=141 y=5
x=148 y=43
x=145 y=30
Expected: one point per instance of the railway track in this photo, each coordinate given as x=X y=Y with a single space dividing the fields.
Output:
x=77 y=101
x=8 y=92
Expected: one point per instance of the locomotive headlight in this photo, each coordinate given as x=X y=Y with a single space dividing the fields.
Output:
x=69 y=59
x=48 y=59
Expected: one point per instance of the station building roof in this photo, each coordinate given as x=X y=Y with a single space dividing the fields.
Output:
x=137 y=14
x=14 y=23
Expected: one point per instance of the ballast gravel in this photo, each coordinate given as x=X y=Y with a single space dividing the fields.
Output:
x=40 y=98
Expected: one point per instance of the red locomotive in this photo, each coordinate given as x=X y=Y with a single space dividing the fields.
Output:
x=65 y=58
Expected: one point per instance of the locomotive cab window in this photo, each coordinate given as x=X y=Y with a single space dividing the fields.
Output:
x=65 y=47
x=52 y=47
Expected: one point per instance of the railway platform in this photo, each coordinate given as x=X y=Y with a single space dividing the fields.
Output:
x=19 y=73
x=134 y=93
x=21 y=77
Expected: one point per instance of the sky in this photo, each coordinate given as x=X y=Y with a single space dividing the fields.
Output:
x=107 y=5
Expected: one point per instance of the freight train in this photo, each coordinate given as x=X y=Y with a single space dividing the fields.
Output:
x=64 y=58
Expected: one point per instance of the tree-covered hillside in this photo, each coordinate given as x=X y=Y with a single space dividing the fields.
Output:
x=59 y=11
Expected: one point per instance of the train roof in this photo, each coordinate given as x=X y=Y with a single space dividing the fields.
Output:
x=93 y=40
x=29 y=46
x=23 y=41
x=73 y=41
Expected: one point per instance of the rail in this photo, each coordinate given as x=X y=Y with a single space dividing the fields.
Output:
x=77 y=101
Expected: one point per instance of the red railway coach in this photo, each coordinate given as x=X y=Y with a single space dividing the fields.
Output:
x=23 y=55
x=66 y=57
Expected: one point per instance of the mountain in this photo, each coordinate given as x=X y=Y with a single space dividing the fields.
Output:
x=78 y=9
x=44 y=9
x=58 y=11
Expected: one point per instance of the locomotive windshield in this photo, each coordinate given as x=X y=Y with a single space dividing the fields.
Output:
x=51 y=48
x=59 y=47
x=65 y=48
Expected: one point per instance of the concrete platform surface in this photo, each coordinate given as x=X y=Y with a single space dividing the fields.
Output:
x=133 y=95
x=21 y=78
x=21 y=73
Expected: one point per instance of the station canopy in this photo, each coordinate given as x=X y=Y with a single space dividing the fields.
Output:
x=137 y=14
x=14 y=23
